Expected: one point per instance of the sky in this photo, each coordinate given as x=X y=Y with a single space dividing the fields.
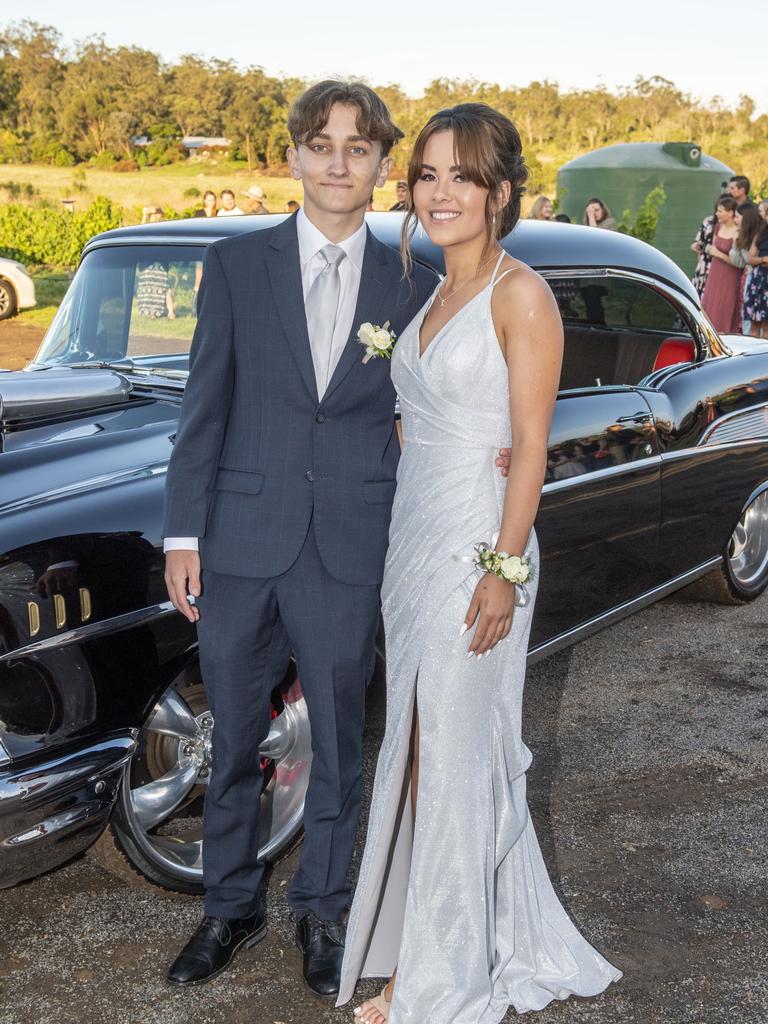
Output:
x=598 y=42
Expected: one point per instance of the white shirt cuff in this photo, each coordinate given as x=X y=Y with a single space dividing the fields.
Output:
x=181 y=544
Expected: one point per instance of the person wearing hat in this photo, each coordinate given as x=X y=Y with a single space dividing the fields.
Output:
x=402 y=198
x=257 y=198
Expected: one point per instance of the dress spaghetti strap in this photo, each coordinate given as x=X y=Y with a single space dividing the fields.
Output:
x=495 y=280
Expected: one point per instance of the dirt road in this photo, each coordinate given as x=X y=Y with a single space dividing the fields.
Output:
x=18 y=343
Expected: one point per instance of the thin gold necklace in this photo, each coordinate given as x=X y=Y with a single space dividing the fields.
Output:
x=477 y=274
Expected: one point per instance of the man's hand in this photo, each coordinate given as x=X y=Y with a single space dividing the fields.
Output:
x=182 y=578
x=503 y=460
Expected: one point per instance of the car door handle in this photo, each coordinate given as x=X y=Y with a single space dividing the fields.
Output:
x=636 y=417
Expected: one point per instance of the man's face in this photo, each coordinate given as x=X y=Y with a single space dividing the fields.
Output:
x=735 y=190
x=339 y=167
x=402 y=194
x=227 y=200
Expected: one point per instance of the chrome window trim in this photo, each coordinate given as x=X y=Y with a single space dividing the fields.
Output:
x=81 y=634
x=680 y=453
x=601 y=474
x=187 y=241
x=94 y=483
x=621 y=611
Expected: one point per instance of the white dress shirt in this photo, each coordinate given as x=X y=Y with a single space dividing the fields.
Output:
x=311 y=241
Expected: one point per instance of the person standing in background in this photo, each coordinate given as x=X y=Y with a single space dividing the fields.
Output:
x=292 y=206
x=756 y=294
x=597 y=215
x=209 y=208
x=703 y=238
x=720 y=300
x=228 y=207
x=402 y=198
x=257 y=200
x=542 y=209
x=738 y=189
x=749 y=222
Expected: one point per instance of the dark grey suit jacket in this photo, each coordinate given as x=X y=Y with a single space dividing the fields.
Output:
x=256 y=455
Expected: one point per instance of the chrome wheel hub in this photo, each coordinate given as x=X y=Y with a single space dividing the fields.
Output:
x=748 y=549
x=166 y=783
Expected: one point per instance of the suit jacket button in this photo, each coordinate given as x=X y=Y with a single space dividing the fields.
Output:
x=320 y=418
x=309 y=475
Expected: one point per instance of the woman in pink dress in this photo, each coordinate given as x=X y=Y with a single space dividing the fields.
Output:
x=721 y=296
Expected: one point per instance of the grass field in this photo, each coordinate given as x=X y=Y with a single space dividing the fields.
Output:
x=160 y=186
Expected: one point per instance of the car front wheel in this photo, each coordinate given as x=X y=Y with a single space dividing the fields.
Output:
x=155 y=834
x=7 y=300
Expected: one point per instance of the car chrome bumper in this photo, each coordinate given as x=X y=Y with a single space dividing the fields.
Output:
x=54 y=809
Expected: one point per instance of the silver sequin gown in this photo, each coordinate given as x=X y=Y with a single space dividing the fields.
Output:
x=461 y=902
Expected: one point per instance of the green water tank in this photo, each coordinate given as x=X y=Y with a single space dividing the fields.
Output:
x=624 y=174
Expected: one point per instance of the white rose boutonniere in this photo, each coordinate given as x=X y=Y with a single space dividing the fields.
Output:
x=379 y=342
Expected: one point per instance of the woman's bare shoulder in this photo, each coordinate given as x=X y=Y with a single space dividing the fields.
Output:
x=522 y=290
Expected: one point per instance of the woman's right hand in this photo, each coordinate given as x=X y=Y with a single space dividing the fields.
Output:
x=492 y=607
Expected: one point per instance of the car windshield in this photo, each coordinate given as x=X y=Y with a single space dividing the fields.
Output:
x=132 y=304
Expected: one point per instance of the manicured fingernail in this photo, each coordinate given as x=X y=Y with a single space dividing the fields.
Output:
x=357 y=1011
x=470 y=654
x=463 y=629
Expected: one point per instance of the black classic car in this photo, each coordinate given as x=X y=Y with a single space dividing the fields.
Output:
x=657 y=477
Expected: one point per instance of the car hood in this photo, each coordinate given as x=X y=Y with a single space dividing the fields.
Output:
x=78 y=432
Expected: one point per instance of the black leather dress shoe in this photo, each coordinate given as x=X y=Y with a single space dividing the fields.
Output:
x=322 y=943
x=214 y=944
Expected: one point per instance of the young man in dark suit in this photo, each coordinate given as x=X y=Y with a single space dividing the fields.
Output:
x=278 y=503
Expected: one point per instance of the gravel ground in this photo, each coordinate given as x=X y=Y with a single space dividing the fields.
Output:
x=649 y=790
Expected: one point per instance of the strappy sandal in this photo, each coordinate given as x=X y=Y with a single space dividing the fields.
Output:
x=380 y=1004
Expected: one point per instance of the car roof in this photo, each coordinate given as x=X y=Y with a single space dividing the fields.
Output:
x=544 y=245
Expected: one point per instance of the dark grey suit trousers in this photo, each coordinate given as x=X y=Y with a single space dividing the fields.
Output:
x=247 y=628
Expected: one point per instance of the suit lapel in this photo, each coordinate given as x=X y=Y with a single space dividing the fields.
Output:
x=285 y=278
x=376 y=281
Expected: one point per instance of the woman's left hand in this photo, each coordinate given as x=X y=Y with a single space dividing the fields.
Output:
x=492 y=608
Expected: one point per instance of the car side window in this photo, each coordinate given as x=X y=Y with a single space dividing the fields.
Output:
x=617 y=330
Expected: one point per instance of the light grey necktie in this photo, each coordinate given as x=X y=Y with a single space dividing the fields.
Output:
x=321 y=306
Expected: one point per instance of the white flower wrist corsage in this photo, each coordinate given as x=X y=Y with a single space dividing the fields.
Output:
x=379 y=342
x=511 y=568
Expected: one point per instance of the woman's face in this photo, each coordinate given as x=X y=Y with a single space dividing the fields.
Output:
x=209 y=200
x=596 y=210
x=724 y=216
x=763 y=210
x=737 y=220
x=546 y=211
x=450 y=208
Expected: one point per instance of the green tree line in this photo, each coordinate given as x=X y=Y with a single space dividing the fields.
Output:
x=86 y=104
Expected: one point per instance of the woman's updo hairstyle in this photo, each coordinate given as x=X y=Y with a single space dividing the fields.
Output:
x=489 y=150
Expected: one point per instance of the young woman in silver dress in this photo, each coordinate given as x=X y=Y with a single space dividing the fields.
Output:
x=453 y=890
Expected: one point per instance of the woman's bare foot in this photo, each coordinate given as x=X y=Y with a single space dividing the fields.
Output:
x=376 y=1011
